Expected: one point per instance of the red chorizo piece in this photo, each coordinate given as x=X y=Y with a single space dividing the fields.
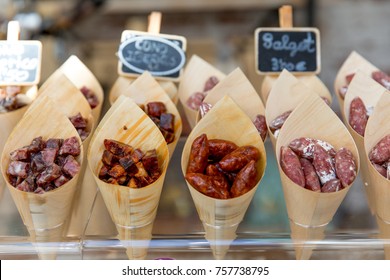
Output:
x=213 y=186
x=345 y=167
x=311 y=179
x=219 y=148
x=304 y=147
x=358 y=115
x=381 y=151
x=291 y=166
x=198 y=155
x=278 y=122
x=261 y=126
x=155 y=109
x=212 y=170
x=333 y=185
x=245 y=180
x=323 y=164
x=239 y=158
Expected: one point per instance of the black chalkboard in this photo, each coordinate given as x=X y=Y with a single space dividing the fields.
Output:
x=162 y=55
x=297 y=50
x=20 y=62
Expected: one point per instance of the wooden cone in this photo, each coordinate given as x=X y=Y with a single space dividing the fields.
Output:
x=370 y=92
x=237 y=86
x=221 y=217
x=352 y=64
x=132 y=210
x=311 y=81
x=146 y=89
x=286 y=94
x=122 y=83
x=308 y=211
x=378 y=126
x=43 y=214
x=193 y=79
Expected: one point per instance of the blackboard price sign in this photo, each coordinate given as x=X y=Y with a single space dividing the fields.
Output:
x=20 y=62
x=162 y=55
x=295 y=49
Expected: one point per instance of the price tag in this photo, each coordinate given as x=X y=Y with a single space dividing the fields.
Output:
x=295 y=49
x=20 y=62
x=162 y=55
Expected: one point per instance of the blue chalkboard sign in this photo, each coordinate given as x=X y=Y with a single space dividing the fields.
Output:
x=162 y=55
x=20 y=62
x=296 y=50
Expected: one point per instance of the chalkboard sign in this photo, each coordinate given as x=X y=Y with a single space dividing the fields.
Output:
x=296 y=50
x=162 y=55
x=20 y=62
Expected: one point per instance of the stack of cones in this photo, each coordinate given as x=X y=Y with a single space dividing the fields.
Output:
x=309 y=212
x=132 y=210
x=378 y=126
x=43 y=214
x=194 y=76
x=220 y=218
x=370 y=92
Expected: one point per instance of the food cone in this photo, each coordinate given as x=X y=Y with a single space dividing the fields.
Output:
x=378 y=126
x=370 y=92
x=221 y=217
x=286 y=94
x=193 y=79
x=43 y=214
x=311 y=81
x=132 y=210
x=238 y=87
x=146 y=89
x=9 y=120
x=124 y=82
x=309 y=212
x=352 y=64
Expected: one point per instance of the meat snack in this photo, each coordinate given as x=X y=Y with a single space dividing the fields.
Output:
x=157 y=111
x=12 y=98
x=126 y=166
x=220 y=169
x=379 y=156
x=315 y=165
x=276 y=124
x=43 y=165
x=196 y=98
x=358 y=115
x=91 y=97
x=80 y=124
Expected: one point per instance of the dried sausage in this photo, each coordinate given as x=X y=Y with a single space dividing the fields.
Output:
x=358 y=115
x=345 y=167
x=291 y=166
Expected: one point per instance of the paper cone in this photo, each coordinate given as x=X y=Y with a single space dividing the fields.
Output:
x=370 y=92
x=193 y=79
x=237 y=86
x=311 y=81
x=124 y=82
x=309 y=212
x=146 y=89
x=132 y=210
x=221 y=217
x=9 y=120
x=43 y=214
x=286 y=94
x=378 y=126
x=352 y=64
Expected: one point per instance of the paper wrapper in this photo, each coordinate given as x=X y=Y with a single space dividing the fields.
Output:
x=286 y=94
x=311 y=81
x=146 y=89
x=370 y=92
x=132 y=210
x=43 y=214
x=221 y=217
x=309 y=212
x=195 y=74
x=124 y=82
x=237 y=86
x=9 y=120
x=352 y=64
x=378 y=126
